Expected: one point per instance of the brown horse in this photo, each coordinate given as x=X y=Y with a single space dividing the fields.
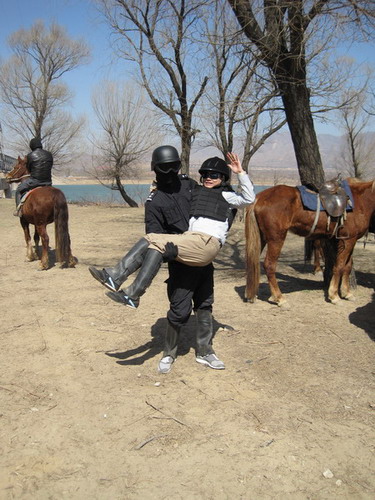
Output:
x=43 y=206
x=278 y=210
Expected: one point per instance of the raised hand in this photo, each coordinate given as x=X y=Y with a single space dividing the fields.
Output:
x=234 y=163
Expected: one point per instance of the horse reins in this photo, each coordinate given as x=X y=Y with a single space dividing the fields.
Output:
x=20 y=178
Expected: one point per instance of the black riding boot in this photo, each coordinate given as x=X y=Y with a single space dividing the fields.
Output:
x=172 y=335
x=204 y=332
x=113 y=277
x=17 y=197
x=149 y=269
x=130 y=263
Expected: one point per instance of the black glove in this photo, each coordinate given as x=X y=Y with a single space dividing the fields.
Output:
x=170 y=252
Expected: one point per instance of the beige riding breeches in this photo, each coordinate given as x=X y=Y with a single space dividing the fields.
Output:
x=194 y=248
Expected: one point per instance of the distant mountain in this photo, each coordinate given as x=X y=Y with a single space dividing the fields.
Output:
x=275 y=159
x=278 y=152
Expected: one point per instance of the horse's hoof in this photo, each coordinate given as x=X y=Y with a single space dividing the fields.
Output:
x=278 y=302
x=251 y=301
x=285 y=306
x=335 y=301
x=351 y=298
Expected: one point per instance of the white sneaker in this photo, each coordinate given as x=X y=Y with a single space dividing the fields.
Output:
x=165 y=364
x=211 y=360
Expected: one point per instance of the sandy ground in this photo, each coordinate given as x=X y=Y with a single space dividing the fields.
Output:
x=84 y=413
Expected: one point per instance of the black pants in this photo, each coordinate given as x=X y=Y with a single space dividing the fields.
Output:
x=189 y=287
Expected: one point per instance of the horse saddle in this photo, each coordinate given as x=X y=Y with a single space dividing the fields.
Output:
x=18 y=212
x=25 y=195
x=333 y=197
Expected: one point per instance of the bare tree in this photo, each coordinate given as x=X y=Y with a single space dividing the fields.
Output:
x=33 y=96
x=242 y=98
x=354 y=119
x=157 y=35
x=282 y=32
x=128 y=132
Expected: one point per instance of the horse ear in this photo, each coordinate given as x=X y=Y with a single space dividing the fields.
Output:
x=19 y=158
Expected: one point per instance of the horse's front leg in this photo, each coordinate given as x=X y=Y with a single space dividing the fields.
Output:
x=270 y=263
x=42 y=231
x=341 y=271
x=30 y=250
x=345 y=280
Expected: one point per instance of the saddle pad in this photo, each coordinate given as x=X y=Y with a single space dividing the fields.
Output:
x=25 y=195
x=309 y=200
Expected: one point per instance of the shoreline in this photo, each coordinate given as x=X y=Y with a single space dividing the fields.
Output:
x=85 y=181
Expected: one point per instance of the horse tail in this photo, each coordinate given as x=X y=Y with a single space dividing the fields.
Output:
x=62 y=238
x=253 y=251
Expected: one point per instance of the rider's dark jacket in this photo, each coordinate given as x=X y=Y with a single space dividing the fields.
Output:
x=39 y=164
x=167 y=208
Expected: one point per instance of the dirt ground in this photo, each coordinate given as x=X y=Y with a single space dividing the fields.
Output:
x=84 y=413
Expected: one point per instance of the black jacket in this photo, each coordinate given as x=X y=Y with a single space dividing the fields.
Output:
x=39 y=164
x=167 y=209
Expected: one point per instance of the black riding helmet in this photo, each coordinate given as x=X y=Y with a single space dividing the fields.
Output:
x=165 y=159
x=35 y=143
x=215 y=164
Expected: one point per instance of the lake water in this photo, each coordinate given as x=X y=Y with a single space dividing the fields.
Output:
x=96 y=193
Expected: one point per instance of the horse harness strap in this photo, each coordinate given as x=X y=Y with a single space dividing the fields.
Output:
x=317 y=213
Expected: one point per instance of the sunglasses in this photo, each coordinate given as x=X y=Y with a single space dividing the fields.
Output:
x=211 y=175
x=167 y=168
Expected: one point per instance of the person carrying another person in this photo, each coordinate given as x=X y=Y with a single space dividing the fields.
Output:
x=39 y=164
x=209 y=224
x=167 y=210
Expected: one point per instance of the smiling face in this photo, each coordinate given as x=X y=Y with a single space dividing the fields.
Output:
x=211 y=179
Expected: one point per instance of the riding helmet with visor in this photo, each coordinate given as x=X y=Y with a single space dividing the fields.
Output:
x=165 y=159
x=215 y=164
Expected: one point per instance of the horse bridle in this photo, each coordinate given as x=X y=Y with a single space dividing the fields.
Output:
x=16 y=179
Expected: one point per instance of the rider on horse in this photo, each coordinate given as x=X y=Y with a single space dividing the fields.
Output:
x=39 y=164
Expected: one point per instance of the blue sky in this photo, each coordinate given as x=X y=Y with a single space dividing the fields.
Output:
x=81 y=20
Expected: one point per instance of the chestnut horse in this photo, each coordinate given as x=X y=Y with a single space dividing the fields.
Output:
x=278 y=210
x=43 y=206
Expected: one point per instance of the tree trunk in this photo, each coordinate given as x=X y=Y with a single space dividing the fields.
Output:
x=127 y=198
x=185 y=152
x=298 y=113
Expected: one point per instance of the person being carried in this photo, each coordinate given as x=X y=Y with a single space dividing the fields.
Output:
x=208 y=227
x=39 y=164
